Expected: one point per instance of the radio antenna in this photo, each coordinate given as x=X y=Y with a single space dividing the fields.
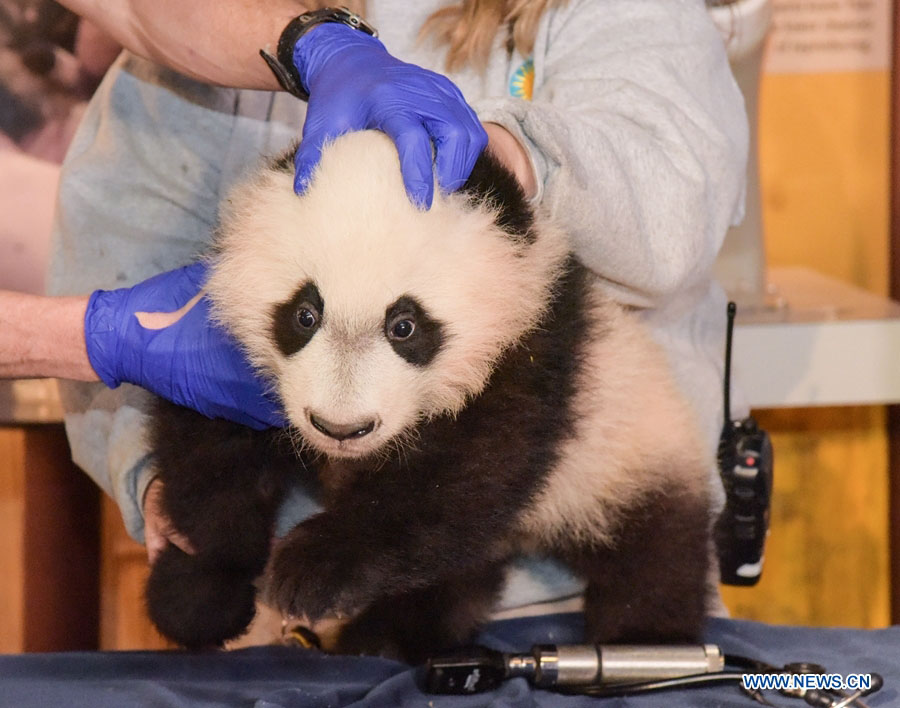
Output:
x=729 y=331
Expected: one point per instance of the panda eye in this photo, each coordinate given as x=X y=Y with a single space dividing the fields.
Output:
x=401 y=328
x=306 y=316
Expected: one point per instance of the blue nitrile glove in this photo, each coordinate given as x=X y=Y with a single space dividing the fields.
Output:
x=192 y=362
x=354 y=84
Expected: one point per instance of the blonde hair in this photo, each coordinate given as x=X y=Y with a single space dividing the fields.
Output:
x=469 y=27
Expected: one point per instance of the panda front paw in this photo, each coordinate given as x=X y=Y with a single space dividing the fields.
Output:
x=197 y=604
x=311 y=576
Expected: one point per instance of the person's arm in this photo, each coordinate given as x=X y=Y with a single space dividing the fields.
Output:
x=639 y=137
x=43 y=336
x=352 y=81
x=217 y=42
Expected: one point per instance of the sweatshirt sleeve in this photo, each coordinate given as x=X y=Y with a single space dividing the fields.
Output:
x=638 y=136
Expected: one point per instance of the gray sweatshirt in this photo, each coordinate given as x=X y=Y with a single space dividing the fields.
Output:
x=629 y=112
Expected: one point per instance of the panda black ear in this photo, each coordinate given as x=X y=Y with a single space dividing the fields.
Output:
x=491 y=181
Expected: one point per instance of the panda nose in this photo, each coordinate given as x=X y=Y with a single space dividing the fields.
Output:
x=341 y=431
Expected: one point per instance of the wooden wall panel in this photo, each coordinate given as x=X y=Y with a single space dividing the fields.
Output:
x=12 y=529
x=824 y=171
x=123 y=619
x=49 y=551
x=826 y=557
x=61 y=546
x=894 y=260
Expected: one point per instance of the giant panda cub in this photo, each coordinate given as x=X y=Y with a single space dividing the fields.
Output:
x=461 y=392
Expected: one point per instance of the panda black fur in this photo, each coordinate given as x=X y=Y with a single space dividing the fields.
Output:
x=463 y=392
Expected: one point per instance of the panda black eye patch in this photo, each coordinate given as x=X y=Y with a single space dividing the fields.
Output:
x=412 y=333
x=295 y=321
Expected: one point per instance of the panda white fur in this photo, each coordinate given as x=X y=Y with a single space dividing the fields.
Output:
x=463 y=392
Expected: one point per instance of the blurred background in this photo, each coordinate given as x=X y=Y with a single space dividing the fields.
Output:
x=50 y=64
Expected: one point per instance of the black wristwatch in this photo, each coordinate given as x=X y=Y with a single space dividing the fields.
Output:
x=282 y=64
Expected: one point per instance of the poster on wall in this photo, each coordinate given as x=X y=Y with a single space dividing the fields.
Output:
x=50 y=64
x=817 y=36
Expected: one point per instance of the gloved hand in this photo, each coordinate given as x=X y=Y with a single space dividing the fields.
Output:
x=191 y=362
x=354 y=84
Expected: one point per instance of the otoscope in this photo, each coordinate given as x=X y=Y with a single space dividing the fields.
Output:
x=551 y=666
x=625 y=670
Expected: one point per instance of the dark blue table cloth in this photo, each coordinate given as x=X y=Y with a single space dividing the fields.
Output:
x=280 y=677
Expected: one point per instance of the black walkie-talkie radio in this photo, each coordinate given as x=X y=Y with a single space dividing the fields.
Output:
x=745 y=463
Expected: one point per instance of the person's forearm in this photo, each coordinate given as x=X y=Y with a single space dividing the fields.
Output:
x=214 y=41
x=43 y=336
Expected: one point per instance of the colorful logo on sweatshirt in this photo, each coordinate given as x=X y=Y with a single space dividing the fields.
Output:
x=521 y=85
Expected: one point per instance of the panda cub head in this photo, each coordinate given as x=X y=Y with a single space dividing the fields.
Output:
x=368 y=314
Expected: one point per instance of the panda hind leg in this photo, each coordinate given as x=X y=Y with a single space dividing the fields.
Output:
x=198 y=604
x=222 y=485
x=417 y=624
x=652 y=586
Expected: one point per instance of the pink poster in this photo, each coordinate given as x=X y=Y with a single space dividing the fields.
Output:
x=50 y=64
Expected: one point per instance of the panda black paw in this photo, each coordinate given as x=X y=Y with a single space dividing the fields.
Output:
x=311 y=577
x=197 y=605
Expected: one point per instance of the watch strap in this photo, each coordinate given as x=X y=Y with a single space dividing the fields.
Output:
x=282 y=63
